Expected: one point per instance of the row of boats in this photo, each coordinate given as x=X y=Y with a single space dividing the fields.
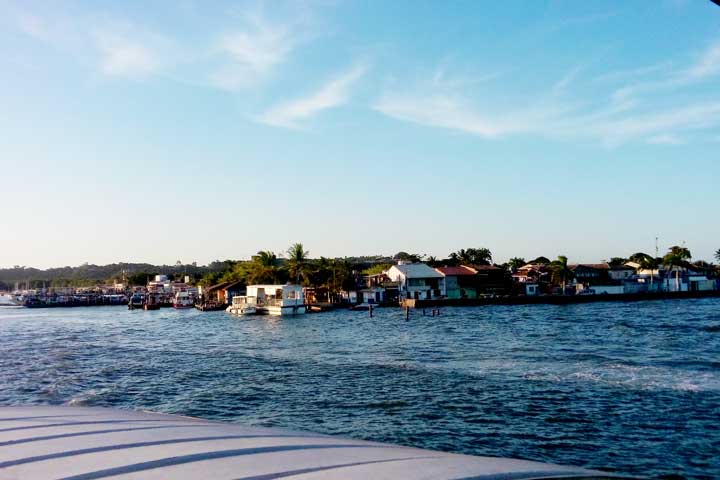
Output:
x=153 y=301
x=259 y=299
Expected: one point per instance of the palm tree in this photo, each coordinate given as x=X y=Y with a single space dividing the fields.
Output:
x=677 y=258
x=638 y=257
x=472 y=256
x=717 y=255
x=561 y=272
x=263 y=268
x=648 y=263
x=297 y=260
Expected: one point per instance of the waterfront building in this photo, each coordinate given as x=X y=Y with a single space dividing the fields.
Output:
x=222 y=293
x=417 y=281
x=621 y=272
x=460 y=281
x=492 y=280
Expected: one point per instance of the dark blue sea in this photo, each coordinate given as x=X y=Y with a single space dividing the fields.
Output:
x=627 y=387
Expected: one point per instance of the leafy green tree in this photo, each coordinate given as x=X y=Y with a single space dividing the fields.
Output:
x=297 y=261
x=616 y=261
x=140 y=278
x=319 y=273
x=515 y=263
x=379 y=268
x=408 y=257
x=541 y=260
x=561 y=273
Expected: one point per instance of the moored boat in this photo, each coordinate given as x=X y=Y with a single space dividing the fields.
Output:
x=243 y=305
x=137 y=300
x=151 y=302
x=278 y=299
x=183 y=300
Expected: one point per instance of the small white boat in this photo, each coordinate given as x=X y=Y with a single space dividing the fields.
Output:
x=183 y=300
x=243 y=305
x=8 y=301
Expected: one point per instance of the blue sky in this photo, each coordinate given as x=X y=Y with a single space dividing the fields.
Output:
x=166 y=130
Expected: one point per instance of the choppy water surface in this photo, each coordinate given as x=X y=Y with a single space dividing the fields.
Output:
x=629 y=387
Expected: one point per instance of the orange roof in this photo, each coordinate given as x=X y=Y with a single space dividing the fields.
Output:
x=456 y=271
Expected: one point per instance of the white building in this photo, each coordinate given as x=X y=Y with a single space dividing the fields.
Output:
x=418 y=281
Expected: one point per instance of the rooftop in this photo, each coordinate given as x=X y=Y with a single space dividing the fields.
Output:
x=456 y=271
x=418 y=270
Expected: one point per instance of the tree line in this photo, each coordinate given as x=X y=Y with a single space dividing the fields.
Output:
x=297 y=266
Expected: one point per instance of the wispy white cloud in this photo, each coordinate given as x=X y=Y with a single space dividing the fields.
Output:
x=334 y=94
x=621 y=75
x=665 y=140
x=708 y=65
x=566 y=80
x=121 y=55
x=656 y=111
x=252 y=50
x=612 y=124
x=111 y=46
x=445 y=112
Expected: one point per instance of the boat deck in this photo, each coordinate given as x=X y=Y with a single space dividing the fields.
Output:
x=82 y=443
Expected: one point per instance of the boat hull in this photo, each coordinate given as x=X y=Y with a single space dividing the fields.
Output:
x=242 y=311
x=63 y=438
x=285 y=310
x=179 y=306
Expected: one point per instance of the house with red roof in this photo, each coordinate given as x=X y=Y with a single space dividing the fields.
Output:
x=460 y=281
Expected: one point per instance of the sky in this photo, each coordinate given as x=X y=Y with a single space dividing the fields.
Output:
x=157 y=131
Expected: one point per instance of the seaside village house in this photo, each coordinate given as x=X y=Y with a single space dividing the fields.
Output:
x=681 y=279
x=527 y=280
x=417 y=281
x=595 y=278
x=460 y=281
x=491 y=280
x=630 y=278
x=372 y=289
x=222 y=293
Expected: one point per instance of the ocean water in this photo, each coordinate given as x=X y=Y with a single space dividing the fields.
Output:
x=626 y=387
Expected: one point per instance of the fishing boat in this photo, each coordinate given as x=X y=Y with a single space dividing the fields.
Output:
x=243 y=305
x=137 y=300
x=151 y=302
x=45 y=442
x=183 y=300
x=278 y=299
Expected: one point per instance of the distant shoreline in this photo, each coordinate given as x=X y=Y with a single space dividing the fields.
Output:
x=558 y=299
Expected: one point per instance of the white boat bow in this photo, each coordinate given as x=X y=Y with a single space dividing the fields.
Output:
x=82 y=443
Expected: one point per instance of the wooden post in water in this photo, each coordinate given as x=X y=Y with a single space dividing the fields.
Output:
x=371 y=310
x=407 y=313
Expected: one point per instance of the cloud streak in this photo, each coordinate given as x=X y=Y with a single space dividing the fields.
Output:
x=641 y=111
x=333 y=94
x=251 y=54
